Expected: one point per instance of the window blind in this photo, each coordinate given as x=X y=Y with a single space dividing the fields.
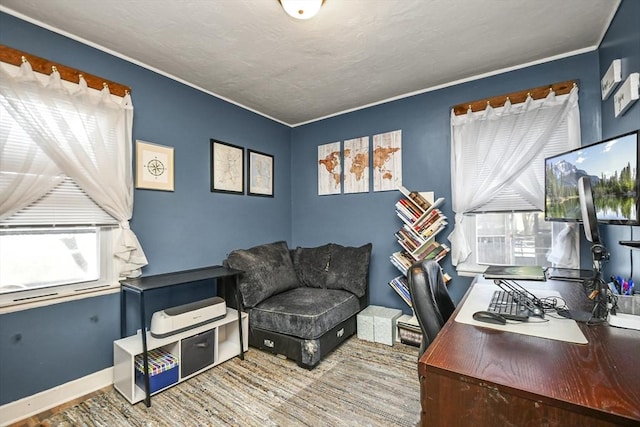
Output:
x=66 y=204
x=510 y=198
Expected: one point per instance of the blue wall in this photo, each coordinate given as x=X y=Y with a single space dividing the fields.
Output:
x=424 y=120
x=622 y=41
x=192 y=227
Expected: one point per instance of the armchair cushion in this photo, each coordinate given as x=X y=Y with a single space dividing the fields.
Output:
x=349 y=268
x=268 y=270
x=310 y=265
x=334 y=266
x=306 y=313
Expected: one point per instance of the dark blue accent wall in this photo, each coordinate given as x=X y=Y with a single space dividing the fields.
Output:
x=192 y=227
x=622 y=41
x=188 y=228
x=426 y=140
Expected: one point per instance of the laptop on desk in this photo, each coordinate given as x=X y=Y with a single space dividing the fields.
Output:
x=515 y=272
x=569 y=274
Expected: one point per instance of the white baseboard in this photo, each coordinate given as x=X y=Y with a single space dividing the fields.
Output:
x=40 y=402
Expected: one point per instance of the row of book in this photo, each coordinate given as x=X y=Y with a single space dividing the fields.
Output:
x=407 y=211
x=425 y=226
x=409 y=330
x=405 y=259
x=421 y=201
x=400 y=285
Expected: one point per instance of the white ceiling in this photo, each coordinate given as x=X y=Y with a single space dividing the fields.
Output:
x=354 y=53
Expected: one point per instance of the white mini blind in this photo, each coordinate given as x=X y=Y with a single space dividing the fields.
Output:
x=66 y=204
x=510 y=198
x=491 y=143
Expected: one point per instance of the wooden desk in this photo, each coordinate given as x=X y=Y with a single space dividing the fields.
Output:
x=481 y=377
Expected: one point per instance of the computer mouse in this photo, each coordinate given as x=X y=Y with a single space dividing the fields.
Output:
x=489 y=317
x=538 y=312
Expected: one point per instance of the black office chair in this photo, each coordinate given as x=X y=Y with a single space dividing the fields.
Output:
x=431 y=301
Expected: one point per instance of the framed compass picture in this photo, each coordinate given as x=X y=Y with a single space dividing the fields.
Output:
x=154 y=166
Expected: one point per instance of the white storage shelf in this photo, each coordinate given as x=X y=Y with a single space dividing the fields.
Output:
x=226 y=346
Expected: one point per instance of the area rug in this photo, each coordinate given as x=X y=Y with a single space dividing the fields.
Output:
x=359 y=384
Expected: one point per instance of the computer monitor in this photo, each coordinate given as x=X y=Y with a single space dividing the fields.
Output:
x=611 y=165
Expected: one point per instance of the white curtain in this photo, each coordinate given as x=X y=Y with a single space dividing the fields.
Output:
x=82 y=134
x=475 y=135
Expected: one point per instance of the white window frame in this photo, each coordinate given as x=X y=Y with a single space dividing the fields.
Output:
x=471 y=267
x=107 y=283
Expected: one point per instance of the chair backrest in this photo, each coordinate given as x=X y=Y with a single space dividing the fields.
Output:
x=430 y=298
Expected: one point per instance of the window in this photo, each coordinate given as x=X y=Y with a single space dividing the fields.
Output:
x=498 y=184
x=515 y=238
x=53 y=262
x=66 y=188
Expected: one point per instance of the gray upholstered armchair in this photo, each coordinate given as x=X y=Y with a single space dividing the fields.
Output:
x=303 y=302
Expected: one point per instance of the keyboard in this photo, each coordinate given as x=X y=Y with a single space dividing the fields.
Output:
x=503 y=303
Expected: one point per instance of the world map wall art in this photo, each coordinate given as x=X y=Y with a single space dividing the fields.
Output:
x=386 y=163
x=329 y=168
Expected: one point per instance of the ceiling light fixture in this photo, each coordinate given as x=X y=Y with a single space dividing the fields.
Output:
x=301 y=9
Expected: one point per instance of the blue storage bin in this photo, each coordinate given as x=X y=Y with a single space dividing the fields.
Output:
x=163 y=370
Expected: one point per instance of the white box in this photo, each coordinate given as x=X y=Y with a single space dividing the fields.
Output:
x=364 y=322
x=378 y=324
x=384 y=325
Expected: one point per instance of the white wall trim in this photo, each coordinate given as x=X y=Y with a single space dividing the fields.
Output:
x=40 y=402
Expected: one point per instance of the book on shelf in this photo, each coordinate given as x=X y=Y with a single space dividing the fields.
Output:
x=438 y=253
x=434 y=228
x=408 y=330
x=435 y=217
x=410 y=337
x=423 y=200
x=400 y=285
x=402 y=261
x=434 y=250
x=428 y=217
x=406 y=213
x=409 y=207
x=406 y=246
x=408 y=322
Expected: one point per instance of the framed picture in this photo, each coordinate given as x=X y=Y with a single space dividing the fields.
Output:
x=154 y=166
x=387 y=161
x=329 y=168
x=227 y=168
x=260 y=174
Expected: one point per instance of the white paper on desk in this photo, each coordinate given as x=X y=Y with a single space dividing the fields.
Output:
x=560 y=329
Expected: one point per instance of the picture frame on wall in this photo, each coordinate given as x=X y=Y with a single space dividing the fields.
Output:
x=227 y=167
x=154 y=166
x=259 y=174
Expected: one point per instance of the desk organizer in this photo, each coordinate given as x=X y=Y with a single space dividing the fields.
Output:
x=629 y=304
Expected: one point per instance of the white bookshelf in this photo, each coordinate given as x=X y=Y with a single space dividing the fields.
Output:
x=226 y=346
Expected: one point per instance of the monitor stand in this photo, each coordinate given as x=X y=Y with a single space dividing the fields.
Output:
x=596 y=289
